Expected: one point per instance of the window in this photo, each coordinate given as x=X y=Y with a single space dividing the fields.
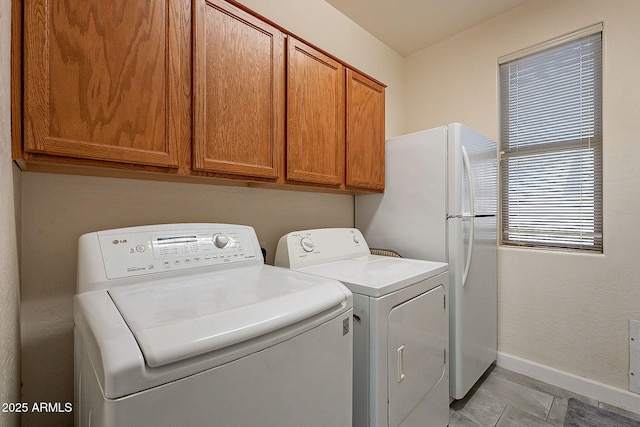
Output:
x=551 y=144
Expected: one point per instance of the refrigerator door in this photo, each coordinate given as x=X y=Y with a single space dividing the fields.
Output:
x=481 y=153
x=473 y=310
x=472 y=256
x=409 y=217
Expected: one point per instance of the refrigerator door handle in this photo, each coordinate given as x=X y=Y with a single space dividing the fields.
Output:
x=470 y=216
x=467 y=168
x=467 y=265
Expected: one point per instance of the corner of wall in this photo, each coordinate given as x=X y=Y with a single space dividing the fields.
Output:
x=9 y=272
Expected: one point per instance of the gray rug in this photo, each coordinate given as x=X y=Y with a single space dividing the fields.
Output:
x=580 y=414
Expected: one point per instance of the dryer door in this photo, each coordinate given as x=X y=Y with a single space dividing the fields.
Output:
x=416 y=354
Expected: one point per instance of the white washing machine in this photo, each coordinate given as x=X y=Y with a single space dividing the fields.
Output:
x=183 y=325
x=401 y=325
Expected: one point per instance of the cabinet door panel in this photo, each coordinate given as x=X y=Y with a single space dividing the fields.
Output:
x=365 y=133
x=97 y=77
x=238 y=81
x=315 y=116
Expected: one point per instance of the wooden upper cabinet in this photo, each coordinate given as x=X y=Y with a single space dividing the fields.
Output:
x=238 y=92
x=365 y=133
x=104 y=80
x=315 y=116
x=188 y=89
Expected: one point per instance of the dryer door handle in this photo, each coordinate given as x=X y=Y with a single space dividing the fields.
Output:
x=401 y=363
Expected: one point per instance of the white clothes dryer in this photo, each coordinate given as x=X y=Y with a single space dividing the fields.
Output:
x=183 y=325
x=401 y=325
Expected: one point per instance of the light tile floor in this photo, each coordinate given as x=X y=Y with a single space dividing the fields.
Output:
x=504 y=398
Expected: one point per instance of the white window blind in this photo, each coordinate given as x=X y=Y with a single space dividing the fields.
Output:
x=551 y=146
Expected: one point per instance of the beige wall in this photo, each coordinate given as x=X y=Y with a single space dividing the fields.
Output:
x=56 y=209
x=9 y=284
x=565 y=311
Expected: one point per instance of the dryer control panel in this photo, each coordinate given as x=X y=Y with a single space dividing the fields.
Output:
x=310 y=247
x=136 y=251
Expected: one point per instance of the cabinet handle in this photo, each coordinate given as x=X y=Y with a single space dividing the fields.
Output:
x=401 y=364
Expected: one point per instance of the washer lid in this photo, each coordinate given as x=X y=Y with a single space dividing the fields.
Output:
x=375 y=275
x=180 y=318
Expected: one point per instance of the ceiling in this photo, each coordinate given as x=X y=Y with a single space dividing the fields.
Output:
x=408 y=26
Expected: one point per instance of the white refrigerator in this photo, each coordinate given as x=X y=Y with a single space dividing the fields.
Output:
x=440 y=204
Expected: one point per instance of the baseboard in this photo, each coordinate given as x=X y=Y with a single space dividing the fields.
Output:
x=604 y=393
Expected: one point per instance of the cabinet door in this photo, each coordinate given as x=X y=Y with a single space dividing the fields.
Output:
x=103 y=80
x=365 y=133
x=315 y=116
x=238 y=92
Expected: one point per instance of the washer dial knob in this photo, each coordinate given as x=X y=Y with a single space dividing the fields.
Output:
x=307 y=244
x=221 y=240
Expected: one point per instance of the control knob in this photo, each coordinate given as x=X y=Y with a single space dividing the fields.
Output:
x=221 y=240
x=307 y=244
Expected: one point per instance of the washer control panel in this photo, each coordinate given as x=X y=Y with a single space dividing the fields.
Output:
x=144 y=250
x=310 y=247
